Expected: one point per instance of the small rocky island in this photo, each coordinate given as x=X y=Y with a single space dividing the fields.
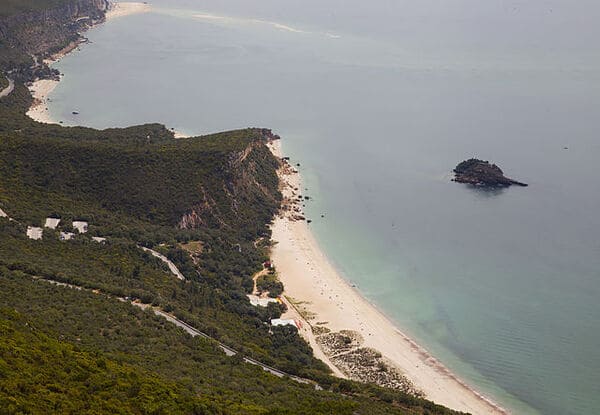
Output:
x=482 y=173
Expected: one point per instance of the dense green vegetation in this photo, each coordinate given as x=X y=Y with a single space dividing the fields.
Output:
x=122 y=269
x=96 y=334
x=58 y=377
x=270 y=283
x=79 y=172
x=11 y=7
x=41 y=28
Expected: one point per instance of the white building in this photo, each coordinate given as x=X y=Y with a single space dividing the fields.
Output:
x=65 y=236
x=81 y=226
x=263 y=302
x=34 y=233
x=52 y=223
x=282 y=322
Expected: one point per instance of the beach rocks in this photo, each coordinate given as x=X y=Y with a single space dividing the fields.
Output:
x=266 y=134
x=482 y=173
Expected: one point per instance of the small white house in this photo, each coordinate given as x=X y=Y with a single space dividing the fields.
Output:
x=98 y=239
x=282 y=322
x=34 y=232
x=81 y=226
x=66 y=236
x=263 y=302
x=52 y=223
x=2 y=214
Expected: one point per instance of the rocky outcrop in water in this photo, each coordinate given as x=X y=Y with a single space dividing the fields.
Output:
x=482 y=173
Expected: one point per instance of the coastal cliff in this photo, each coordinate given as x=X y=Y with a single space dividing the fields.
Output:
x=249 y=179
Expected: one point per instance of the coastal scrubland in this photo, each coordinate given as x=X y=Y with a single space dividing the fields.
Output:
x=67 y=350
x=12 y=7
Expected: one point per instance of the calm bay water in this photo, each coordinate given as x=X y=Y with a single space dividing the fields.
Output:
x=378 y=103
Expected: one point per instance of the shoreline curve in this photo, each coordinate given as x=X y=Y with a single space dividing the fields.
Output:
x=309 y=277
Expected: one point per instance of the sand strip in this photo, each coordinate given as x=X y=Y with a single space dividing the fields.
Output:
x=309 y=277
x=123 y=9
x=40 y=90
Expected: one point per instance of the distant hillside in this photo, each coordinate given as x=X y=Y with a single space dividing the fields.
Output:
x=41 y=27
x=11 y=7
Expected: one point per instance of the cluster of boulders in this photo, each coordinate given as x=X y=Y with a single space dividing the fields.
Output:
x=292 y=203
x=363 y=364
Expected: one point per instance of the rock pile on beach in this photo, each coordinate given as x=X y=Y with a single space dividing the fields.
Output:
x=291 y=205
x=363 y=364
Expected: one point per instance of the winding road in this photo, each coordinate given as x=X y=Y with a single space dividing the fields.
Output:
x=190 y=330
x=10 y=88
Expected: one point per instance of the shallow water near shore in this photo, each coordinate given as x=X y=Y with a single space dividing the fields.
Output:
x=378 y=104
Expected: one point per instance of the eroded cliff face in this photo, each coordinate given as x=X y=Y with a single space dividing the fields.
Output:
x=28 y=37
x=249 y=183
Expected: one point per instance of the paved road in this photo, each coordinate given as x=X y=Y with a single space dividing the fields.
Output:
x=194 y=332
x=226 y=349
x=10 y=88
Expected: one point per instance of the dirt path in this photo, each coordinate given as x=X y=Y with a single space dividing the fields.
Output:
x=166 y=260
x=255 y=278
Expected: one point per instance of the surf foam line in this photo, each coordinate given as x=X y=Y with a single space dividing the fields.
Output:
x=275 y=25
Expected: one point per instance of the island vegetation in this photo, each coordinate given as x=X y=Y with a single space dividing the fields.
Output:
x=482 y=173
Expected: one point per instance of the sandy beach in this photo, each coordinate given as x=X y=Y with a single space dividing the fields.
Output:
x=40 y=90
x=126 y=9
x=310 y=280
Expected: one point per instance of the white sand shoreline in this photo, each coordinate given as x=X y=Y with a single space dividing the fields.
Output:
x=40 y=90
x=309 y=277
x=123 y=9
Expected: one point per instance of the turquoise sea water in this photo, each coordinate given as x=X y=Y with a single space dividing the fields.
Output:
x=378 y=102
